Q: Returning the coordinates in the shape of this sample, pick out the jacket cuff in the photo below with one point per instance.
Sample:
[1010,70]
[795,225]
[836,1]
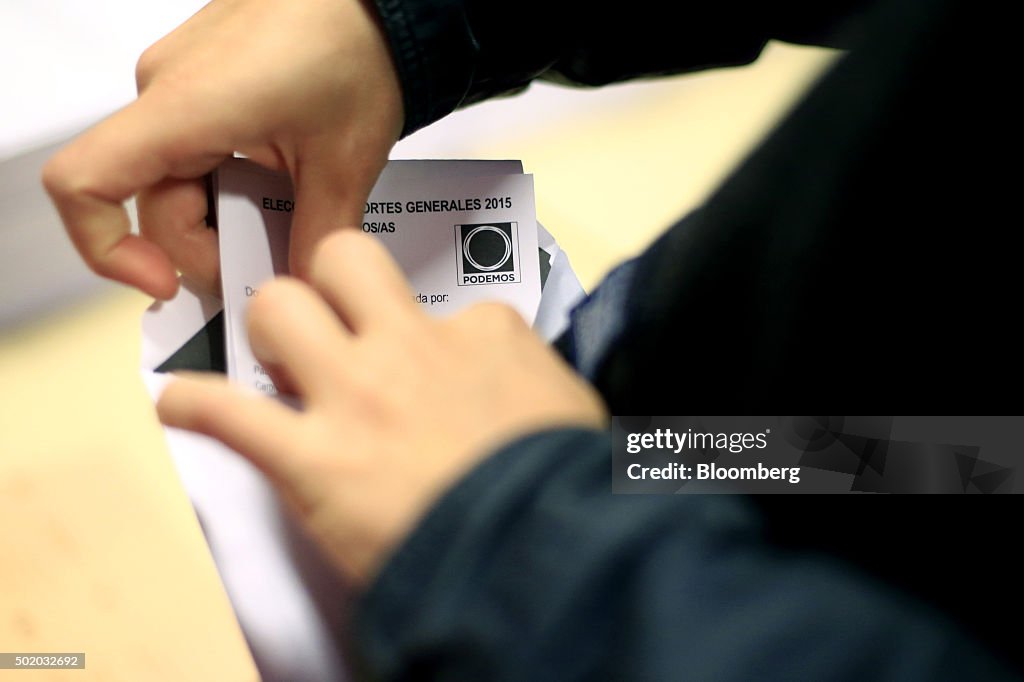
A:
[447,543]
[434,53]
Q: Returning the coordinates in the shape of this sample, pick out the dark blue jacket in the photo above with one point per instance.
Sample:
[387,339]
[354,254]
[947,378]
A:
[863,260]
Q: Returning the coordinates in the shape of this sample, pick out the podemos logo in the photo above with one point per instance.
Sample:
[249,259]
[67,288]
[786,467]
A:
[488,253]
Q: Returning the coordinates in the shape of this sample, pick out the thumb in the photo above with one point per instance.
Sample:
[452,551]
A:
[330,194]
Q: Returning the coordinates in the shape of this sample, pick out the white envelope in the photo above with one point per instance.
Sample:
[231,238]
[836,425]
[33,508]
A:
[291,605]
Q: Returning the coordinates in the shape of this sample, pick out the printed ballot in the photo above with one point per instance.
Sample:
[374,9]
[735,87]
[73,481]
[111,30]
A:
[462,231]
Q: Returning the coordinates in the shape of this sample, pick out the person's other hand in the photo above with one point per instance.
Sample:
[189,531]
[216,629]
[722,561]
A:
[302,85]
[396,404]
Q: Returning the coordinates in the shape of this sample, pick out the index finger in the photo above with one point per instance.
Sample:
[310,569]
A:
[362,282]
[91,178]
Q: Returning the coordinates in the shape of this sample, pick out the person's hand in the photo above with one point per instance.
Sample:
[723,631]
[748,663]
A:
[396,404]
[302,85]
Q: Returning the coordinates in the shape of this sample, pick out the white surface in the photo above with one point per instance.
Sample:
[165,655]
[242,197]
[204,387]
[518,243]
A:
[289,601]
[39,269]
[562,290]
[67,63]
[167,326]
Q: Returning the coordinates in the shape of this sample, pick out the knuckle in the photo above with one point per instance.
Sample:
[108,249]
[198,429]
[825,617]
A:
[56,176]
[146,67]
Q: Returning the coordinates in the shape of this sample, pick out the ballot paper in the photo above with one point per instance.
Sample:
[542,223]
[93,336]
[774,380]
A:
[291,604]
[462,231]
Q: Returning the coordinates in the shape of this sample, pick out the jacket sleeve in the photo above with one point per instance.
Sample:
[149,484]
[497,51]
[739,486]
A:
[451,53]
[530,569]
